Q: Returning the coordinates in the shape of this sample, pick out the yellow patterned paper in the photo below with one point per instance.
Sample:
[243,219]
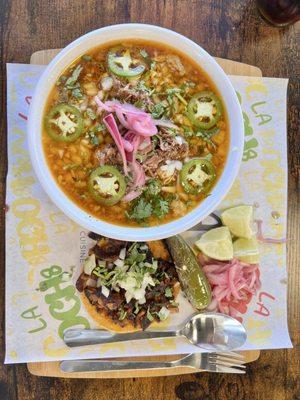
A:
[44,248]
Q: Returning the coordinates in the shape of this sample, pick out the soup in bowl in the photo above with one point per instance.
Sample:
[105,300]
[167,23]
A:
[135,133]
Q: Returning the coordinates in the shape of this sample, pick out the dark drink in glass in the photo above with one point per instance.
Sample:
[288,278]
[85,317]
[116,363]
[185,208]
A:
[279,12]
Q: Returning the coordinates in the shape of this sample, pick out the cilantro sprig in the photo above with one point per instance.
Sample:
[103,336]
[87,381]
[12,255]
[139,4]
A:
[71,83]
[150,203]
[158,110]
[140,211]
[205,135]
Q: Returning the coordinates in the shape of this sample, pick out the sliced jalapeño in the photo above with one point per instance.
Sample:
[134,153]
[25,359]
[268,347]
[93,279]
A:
[64,123]
[107,185]
[122,64]
[197,176]
[204,109]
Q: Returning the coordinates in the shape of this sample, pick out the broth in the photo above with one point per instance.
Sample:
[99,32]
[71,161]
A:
[142,108]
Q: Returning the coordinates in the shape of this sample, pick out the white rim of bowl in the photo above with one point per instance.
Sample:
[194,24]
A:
[80,216]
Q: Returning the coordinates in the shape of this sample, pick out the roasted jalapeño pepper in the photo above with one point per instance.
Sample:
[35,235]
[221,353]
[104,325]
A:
[204,109]
[122,64]
[197,176]
[193,280]
[64,123]
[107,185]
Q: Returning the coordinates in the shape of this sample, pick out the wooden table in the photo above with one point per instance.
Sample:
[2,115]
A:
[226,28]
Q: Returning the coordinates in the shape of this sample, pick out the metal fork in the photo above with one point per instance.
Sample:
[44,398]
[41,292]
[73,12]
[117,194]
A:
[230,362]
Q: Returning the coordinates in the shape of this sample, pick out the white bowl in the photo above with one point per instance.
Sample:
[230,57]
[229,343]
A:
[155,34]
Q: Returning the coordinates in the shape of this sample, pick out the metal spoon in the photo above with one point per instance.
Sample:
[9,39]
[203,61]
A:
[210,331]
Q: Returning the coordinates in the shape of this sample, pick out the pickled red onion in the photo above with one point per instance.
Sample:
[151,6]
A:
[165,123]
[133,139]
[112,127]
[232,282]
[145,143]
[139,179]
[131,195]
[260,237]
[128,147]
[133,118]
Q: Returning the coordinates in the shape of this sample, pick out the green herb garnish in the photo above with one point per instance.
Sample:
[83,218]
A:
[149,203]
[207,135]
[172,91]
[134,255]
[168,292]
[137,308]
[187,85]
[140,211]
[141,86]
[77,93]
[157,110]
[155,141]
[90,113]
[153,187]
[143,53]
[86,57]
[70,166]
[99,127]
[160,207]
[61,79]
[122,314]
[188,132]
[72,80]
[149,315]
[93,137]
[95,140]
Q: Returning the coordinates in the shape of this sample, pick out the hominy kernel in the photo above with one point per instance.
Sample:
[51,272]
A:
[69,178]
[73,149]
[76,159]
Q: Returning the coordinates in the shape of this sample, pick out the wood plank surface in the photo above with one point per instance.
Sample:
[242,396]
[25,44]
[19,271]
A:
[230,29]
[53,369]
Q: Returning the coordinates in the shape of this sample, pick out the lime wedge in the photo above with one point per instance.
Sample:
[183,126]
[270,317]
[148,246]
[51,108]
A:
[239,221]
[246,250]
[217,244]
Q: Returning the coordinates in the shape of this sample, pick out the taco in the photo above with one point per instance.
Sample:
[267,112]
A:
[127,286]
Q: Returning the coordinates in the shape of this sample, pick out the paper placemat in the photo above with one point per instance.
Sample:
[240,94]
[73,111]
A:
[44,248]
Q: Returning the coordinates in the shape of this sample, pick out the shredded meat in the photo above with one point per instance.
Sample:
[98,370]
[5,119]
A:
[116,301]
[168,149]
[82,282]
[176,65]
[63,96]
[94,236]
[130,93]
[151,165]
[109,155]
[108,249]
[174,152]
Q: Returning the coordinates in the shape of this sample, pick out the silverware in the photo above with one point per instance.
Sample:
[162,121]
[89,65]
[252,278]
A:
[215,220]
[210,331]
[213,362]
